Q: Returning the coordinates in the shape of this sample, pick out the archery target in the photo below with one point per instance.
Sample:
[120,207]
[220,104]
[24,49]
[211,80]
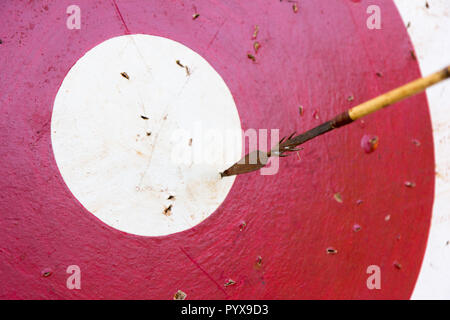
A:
[310,231]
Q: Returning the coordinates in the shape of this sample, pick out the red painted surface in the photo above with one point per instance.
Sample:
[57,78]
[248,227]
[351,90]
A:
[316,58]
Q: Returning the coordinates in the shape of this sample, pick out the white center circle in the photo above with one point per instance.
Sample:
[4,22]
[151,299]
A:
[138,129]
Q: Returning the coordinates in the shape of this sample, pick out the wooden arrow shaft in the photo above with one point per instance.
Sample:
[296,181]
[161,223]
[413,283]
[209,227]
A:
[398,94]
[355,113]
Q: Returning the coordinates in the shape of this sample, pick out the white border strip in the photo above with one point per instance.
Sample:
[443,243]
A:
[430,33]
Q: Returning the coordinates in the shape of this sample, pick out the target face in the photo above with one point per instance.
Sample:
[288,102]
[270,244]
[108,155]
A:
[83,111]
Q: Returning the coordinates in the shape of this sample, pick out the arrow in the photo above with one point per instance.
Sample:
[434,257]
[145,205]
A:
[258,159]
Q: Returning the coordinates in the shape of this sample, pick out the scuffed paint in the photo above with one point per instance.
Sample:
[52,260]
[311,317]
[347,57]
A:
[290,215]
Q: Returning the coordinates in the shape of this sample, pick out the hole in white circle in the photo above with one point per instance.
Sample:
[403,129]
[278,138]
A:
[124,117]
